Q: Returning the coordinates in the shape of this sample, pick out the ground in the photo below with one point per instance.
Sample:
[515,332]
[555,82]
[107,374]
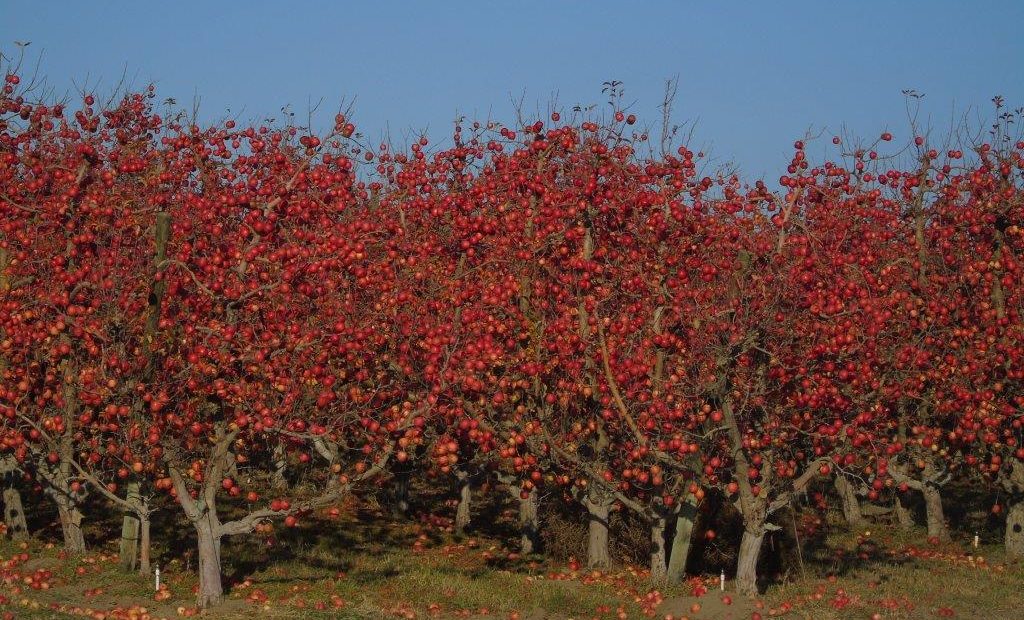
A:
[360,565]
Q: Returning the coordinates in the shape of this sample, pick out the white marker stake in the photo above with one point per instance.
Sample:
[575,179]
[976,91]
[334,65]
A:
[977,541]
[721,580]
[156,574]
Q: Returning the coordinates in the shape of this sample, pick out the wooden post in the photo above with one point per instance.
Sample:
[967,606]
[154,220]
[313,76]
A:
[159,287]
[131,524]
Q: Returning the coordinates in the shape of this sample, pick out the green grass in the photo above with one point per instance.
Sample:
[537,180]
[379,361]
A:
[377,570]
[899,581]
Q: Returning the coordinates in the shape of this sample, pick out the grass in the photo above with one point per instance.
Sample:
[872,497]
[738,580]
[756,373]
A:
[366,566]
[354,569]
[900,575]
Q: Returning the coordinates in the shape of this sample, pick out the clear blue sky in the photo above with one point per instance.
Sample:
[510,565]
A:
[754,75]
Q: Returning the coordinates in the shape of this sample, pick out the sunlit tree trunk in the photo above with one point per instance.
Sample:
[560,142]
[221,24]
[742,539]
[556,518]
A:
[462,513]
[130,530]
[680,551]
[597,537]
[659,568]
[529,526]
[14,515]
[850,503]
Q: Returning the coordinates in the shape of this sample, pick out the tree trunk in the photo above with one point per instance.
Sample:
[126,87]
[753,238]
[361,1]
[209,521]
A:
[129,550]
[933,510]
[279,480]
[680,551]
[70,523]
[400,500]
[659,569]
[597,541]
[746,567]
[752,509]
[1015,530]
[465,497]
[211,590]
[851,505]
[14,515]
[528,526]
[144,544]
[902,510]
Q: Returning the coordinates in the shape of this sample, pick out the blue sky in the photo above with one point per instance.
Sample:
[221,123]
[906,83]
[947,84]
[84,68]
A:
[754,76]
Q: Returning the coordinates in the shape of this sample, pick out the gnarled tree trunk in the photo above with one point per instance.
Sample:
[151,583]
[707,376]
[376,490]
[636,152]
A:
[597,539]
[130,531]
[400,496]
[750,552]
[528,525]
[902,510]
[680,552]
[144,544]
[279,479]
[933,510]
[753,510]
[70,523]
[659,568]
[851,505]
[1013,483]
[1015,530]
[14,515]
[211,589]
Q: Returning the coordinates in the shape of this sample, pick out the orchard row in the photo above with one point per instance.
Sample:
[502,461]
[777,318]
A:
[195,317]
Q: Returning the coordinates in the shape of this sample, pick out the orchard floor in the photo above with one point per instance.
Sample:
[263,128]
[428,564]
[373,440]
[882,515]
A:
[363,566]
